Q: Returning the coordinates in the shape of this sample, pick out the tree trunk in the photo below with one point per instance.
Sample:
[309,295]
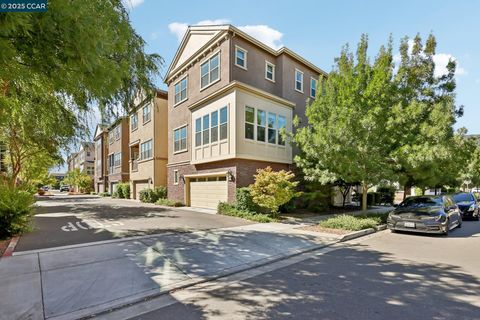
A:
[405,188]
[364,196]
[344,195]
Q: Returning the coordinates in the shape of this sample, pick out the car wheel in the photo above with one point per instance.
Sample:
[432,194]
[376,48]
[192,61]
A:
[459,223]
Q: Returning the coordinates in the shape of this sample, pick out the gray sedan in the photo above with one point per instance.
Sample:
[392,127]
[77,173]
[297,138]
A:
[428,214]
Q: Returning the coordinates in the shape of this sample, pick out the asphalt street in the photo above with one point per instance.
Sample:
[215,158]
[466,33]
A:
[63,220]
[384,276]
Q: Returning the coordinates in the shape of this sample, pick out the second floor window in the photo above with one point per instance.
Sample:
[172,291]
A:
[180,139]
[111,162]
[134,121]
[211,127]
[118,159]
[146,150]
[111,136]
[298,80]
[241,57]
[313,87]
[265,127]
[181,90]
[249,123]
[210,71]
[147,113]
[269,71]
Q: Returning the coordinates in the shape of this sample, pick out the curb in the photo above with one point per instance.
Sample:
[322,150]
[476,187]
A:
[98,310]
[361,233]
[11,247]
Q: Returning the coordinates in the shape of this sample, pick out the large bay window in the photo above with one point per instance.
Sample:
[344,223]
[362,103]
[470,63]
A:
[264,126]
[207,127]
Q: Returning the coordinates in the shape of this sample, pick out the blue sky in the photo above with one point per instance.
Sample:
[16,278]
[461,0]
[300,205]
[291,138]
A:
[318,29]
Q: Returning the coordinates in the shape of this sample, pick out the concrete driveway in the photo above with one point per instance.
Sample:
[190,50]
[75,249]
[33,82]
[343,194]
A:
[383,276]
[63,220]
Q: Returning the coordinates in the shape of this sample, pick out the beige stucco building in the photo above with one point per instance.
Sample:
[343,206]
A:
[101,158]
[148,144]
[229,98]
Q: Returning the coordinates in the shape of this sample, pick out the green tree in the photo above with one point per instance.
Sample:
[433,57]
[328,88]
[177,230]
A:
[421,125]
[345,138]
[57,65]
[79,180]
[272,189]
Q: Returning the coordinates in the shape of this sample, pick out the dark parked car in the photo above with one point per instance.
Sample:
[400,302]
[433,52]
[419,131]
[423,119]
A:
[428,214]
[64,188]
[467,204]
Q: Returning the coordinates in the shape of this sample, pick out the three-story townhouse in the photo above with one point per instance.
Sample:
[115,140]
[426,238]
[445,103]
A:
[148,144]
[101,158]
[229,98]
[118,153]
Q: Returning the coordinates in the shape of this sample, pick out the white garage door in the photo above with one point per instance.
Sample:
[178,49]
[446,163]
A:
[139,186]
[208,192]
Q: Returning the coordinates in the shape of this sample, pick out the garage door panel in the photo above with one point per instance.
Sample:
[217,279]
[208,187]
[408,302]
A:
[139,186]
[207,194]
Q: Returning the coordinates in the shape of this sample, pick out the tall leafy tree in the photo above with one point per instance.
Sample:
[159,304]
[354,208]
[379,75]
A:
[421,125]
[57,65]
[345,138]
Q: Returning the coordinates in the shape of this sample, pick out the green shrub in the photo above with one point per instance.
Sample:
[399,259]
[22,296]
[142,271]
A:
[152,195]
[387,195]
[352,223]
[244,200]
[169,203]
[315,201]
[104,194]
[115,194]
[228,209]
[93,193]
[15,211]
[123,190]
[272,189]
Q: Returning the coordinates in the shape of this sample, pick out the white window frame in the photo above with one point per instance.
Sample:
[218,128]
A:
[268,63]
[151,149]
[186,139]
[301,82]
[199,131]
[180,92]
[238,48]
[136,122]
[149,106]
[115,165]
[176,177]
[312,88]
[210,71]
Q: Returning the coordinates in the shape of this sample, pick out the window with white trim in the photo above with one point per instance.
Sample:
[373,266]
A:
[181,90]
[282,124]
[207,127]
[111,136]
[147,113]
[269,71]
[117,159]
[313,87]
[240,57]
[146,150]
[134,121]
[272,128]
[261,125]
[175,177]
[210,71]
[223,123]
[249,123]
[298,80]
[198,132]
[180,139]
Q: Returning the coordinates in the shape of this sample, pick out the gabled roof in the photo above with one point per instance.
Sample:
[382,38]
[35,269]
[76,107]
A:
[198,39]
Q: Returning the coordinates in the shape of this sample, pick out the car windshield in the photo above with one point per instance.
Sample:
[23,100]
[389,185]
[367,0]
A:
[421,202]
[460,197]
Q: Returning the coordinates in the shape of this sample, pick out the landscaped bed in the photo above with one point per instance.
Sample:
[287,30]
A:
[3,246]
[343,224]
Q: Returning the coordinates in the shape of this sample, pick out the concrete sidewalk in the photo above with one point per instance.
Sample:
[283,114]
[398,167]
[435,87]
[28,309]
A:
[78,281]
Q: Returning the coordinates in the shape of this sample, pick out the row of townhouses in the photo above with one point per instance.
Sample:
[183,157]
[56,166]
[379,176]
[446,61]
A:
[83,159]
[229,96]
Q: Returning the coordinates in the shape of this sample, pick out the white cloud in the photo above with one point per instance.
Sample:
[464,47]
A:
[264,33]
[130,4]
[179,28]
[441,60]
[267,35]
